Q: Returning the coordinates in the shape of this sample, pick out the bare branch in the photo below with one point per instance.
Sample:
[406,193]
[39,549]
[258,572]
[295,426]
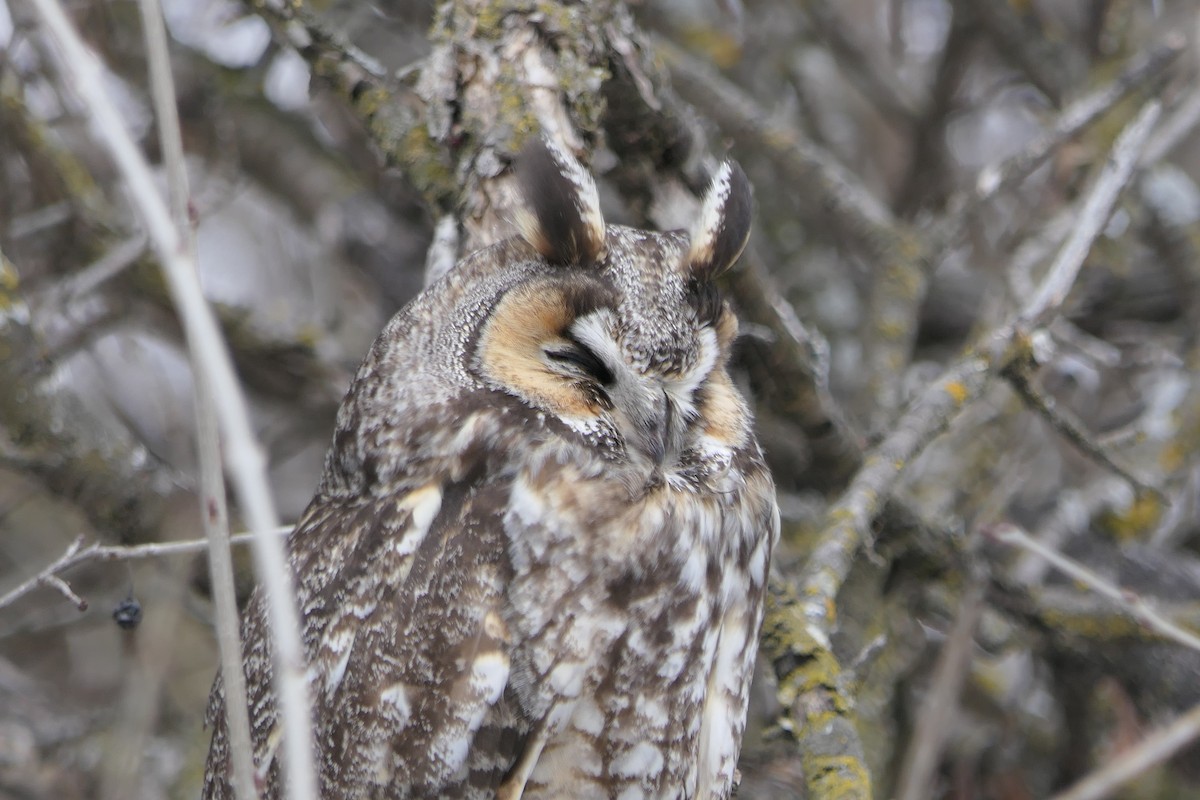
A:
[83,73]
[848,520]
[213,513]
[793,374]
[1092,217]
[1019,42]
[102,270]
[1154,749]
[1129,600]
[49,576]
[873,80]
[1070,428]
[64,561]
[77,554]
[900,257]
[67,592]
[1073,510]
[808,609]
[1176,128]
[935,720]
[1140,72]
[854,211]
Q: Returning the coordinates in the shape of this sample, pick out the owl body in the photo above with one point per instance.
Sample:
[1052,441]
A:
[536,562]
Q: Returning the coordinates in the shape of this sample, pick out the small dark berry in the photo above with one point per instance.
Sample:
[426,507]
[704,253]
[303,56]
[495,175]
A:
[128,613]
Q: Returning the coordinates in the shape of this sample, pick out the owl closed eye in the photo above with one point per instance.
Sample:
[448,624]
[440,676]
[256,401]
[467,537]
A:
[536,561]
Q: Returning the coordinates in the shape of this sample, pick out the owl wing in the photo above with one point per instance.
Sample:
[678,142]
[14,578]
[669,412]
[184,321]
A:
[401,598]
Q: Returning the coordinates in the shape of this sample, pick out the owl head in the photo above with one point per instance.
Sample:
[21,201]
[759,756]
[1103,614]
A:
[626,326]
[612,333]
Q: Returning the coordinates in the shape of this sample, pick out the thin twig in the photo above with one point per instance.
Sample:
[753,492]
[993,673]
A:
[1154,749]
[935,721]
[49,576]
[835,190]
[1070,428]
[77,554]
[82,71]
[112,263]
[1092,217]
[220,570]
[1176,128]
[899,255]
[213,512]
[1000,177]
[1073,511]
[1025,47]
[67,591]
[876,83]
[1131,601]
[39,219]
[800,617]
[927,172]
[1087,618]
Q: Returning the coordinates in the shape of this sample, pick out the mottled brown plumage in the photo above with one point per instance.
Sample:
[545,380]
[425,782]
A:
[536,561]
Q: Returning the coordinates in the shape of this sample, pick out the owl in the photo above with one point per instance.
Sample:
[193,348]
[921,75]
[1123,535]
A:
[536,561]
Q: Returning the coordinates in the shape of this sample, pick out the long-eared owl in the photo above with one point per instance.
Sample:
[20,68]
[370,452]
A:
[536,561]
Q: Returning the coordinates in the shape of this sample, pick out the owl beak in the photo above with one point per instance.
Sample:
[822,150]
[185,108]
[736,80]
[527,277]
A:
[656,434]
[650,422]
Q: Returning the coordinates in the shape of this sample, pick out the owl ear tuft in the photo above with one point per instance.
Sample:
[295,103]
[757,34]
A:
[561,217]
[721,232]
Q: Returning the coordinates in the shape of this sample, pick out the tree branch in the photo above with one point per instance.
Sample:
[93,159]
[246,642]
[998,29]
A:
[76,554]
[1154,749]
[1133,603]
[1141,73]
[83,73]
[214,513]
[800,619]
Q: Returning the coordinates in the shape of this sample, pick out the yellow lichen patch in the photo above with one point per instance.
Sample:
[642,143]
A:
[892,329]
[1172,456]
[836,777]
[785,630]
[371,100]
[9,281]
[1018,351]
[719,45]
[1135,521]
[842,514]
[309,336]
[424,160]
[957,391]
[900,277]
[1093,628]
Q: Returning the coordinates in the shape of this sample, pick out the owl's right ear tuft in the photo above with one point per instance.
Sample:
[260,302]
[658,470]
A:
[723,228]
[561,217]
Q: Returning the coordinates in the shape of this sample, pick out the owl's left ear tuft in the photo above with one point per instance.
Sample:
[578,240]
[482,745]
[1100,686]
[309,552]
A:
[721,232]
[561,217]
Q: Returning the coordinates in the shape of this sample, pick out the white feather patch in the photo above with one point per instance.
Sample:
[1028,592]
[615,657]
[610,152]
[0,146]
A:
[489,675]
[396,698]
[643,759]
[722,712]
